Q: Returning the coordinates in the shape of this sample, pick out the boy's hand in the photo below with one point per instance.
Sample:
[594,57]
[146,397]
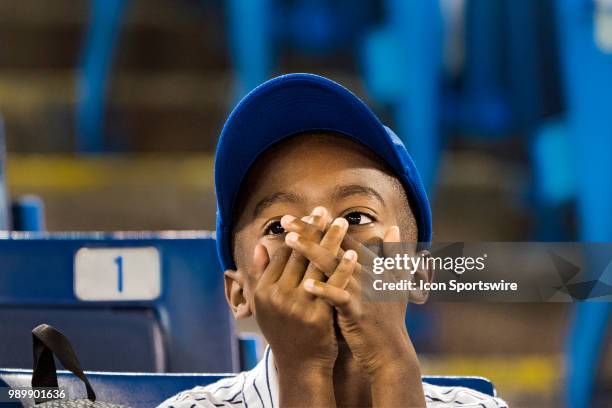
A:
[298,325]
[375,331]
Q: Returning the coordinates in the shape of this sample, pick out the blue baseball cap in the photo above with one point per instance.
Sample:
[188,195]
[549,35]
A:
[292,104]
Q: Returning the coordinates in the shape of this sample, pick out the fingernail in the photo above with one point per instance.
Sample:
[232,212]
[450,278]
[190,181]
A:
[318,211]
[309,284]
[287,219]
[350,255]
[340,222]
[291,237]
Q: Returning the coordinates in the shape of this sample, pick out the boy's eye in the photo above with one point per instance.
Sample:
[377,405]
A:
[274,228]
[358,218]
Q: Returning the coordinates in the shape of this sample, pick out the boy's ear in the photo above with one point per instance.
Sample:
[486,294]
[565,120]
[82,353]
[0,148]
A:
[423,274]
[234,293]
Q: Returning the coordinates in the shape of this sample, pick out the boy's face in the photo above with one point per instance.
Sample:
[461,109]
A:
[305,172]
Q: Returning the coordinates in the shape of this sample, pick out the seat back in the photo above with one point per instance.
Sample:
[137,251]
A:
[148,390]
[104,339]
[150,302]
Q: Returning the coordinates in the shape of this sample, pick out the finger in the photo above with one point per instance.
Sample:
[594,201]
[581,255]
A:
[302,227]
[297,263]
[294,270]
[335,296]
[312,226]
[363,271]
[331,241]
[365,254]
[273,268]
[393,246]
[344,271]
[391,242]
[321,257]
[354,285]
[334,236]
[392,234]
[259,263]
[320,218]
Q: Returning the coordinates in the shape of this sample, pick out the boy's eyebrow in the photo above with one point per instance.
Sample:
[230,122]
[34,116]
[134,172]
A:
[356,189]
[274,198]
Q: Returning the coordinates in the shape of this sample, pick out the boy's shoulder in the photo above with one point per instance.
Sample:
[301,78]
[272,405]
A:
[230,392]
[254,388]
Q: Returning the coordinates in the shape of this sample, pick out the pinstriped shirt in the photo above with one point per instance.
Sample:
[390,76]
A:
[258,388]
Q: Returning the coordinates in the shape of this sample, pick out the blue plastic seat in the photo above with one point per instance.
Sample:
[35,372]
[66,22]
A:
[148,390]
[126,340]
[187,328]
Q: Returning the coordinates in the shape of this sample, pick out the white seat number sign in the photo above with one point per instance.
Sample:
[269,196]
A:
[112,274]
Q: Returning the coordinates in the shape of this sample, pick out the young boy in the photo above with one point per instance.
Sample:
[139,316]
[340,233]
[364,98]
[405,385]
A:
[305,177]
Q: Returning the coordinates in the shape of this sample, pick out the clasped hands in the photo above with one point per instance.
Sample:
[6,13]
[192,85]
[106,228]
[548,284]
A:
[314,280]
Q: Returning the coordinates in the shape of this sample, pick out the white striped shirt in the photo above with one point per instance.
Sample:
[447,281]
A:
[258,388]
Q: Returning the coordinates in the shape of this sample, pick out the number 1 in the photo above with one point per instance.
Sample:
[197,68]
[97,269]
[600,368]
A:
[119,262]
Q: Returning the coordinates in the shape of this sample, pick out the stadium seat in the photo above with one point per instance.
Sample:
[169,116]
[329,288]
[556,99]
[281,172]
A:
[90,286]
[251,349]
[28,213]
[147,390]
